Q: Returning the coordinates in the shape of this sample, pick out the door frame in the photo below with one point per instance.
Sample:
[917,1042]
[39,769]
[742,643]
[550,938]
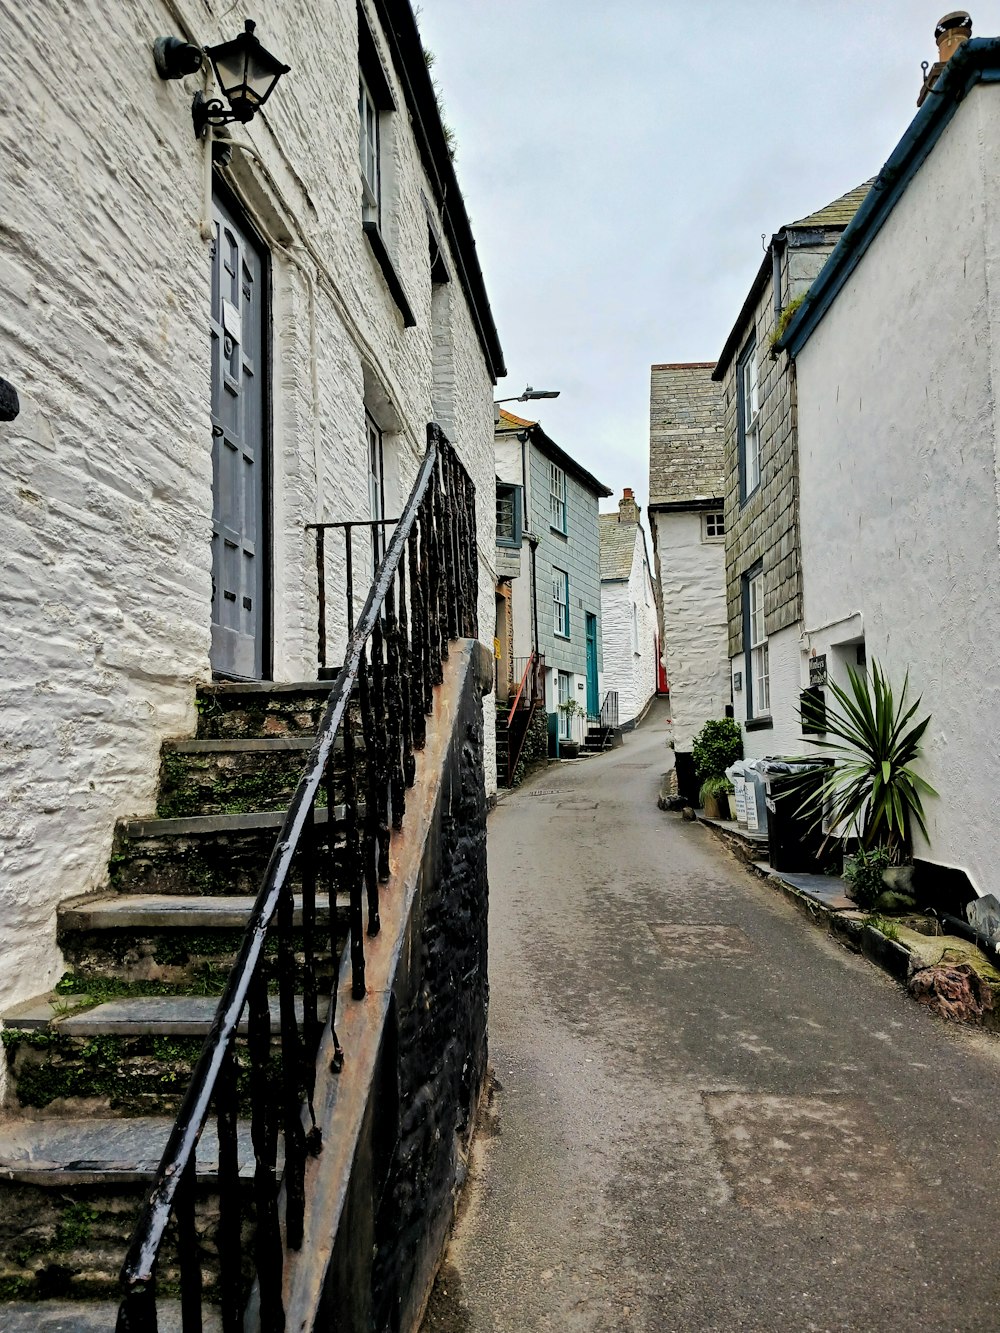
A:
[243,216]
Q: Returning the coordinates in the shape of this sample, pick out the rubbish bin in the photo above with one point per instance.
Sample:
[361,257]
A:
[795,837]
[755,796]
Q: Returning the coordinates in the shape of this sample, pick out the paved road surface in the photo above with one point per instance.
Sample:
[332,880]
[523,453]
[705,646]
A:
[709,1115]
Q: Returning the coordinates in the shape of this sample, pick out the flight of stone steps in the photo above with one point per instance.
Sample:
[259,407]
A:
[97,1067]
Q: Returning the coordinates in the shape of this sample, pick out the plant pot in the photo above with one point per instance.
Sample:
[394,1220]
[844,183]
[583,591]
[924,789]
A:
[711,808]
[569,749]
[731,801]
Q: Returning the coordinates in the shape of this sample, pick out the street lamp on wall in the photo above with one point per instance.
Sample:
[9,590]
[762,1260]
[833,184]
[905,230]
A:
[245,71]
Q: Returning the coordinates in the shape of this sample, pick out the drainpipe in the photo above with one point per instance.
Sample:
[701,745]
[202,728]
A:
[777,245]
[533,543]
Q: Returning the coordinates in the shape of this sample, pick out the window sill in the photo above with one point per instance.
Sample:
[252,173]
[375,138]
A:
[392,281]
[560,532]
[759,724]
[745,499]
[566,638]
[508,545]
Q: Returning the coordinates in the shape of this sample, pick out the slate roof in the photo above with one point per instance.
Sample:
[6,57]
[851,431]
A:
[685,434]
[834,217]
[510,424]
[839,212]
[617,547]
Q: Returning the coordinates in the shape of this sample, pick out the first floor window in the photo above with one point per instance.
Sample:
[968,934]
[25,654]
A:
[557,497]
[508,515]
[748,421]
[713,526]
[755,646]
[368,127]
[560,602]
[565,696]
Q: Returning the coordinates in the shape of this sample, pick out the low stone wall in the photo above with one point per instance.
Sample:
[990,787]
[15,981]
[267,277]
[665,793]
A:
[398,1119]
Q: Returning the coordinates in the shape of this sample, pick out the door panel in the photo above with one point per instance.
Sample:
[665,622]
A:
[593,693]
[239,439]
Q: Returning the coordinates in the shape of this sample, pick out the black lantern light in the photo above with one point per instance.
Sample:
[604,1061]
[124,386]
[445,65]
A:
[246,72]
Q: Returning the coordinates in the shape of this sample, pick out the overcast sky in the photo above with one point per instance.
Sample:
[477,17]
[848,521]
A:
[620,162]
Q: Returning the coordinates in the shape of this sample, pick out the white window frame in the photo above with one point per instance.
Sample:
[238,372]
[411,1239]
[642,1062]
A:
[713,526]
[560,602]
[564,693]
[370,152]
[557,497]
[749,400]
[635,629]
[376,483]
[759,660]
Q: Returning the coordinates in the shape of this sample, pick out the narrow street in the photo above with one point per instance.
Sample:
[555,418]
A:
[708,1115]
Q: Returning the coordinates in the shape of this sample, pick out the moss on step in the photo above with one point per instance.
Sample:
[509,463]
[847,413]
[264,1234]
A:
[130,1075]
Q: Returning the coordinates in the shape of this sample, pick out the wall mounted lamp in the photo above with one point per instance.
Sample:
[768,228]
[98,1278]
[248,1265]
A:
[244,69]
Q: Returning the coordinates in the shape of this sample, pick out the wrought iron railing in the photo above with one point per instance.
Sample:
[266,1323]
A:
[529,696]
[609,712]
[423,595]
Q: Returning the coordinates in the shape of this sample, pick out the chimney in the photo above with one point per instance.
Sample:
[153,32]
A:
[952,31]
[628,510]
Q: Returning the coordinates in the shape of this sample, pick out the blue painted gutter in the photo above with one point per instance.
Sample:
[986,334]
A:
[978,61]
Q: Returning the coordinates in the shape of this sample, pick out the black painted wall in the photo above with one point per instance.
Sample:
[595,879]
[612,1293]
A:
[411,1161]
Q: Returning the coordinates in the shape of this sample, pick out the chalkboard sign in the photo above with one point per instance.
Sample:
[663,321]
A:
[817,670]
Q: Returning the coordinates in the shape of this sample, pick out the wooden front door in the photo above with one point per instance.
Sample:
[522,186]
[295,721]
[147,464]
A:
[240,581]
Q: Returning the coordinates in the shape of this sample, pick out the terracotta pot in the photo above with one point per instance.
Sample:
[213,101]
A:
[711,809]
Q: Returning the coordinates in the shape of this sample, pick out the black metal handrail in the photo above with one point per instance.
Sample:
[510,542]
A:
[609,711]
[394,659]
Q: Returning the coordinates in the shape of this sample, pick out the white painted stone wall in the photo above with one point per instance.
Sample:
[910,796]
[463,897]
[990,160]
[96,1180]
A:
[899,473]
[105,477]
[692,576]
[631,673]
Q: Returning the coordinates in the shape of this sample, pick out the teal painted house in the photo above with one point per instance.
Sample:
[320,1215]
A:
[553,604]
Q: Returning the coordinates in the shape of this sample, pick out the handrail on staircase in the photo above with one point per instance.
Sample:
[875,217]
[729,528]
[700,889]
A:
[532,659]
[423,595]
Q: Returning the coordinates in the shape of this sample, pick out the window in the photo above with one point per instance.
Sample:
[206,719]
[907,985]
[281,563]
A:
[565,696]
[560,602]
[376,485]
[635,628]
[758,682]
[508,515]
[748,422]
[713,526]
[371,175]
[557,497]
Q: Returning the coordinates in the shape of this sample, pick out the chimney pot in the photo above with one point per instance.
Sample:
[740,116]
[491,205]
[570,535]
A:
[952,31]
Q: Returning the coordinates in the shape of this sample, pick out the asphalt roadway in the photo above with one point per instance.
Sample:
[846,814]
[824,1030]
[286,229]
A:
[707,1114]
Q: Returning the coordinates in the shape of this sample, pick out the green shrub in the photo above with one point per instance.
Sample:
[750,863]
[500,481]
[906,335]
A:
[717,745]
[718,787]
[864,873]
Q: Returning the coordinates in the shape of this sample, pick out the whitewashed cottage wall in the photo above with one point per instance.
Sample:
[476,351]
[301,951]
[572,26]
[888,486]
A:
[630,667]
[898,474]
[106,475]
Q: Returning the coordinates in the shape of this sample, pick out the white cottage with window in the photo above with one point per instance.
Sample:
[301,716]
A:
[628,607]
[214,341]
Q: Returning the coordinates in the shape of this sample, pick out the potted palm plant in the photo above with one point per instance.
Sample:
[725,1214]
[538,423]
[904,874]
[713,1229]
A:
[871,792]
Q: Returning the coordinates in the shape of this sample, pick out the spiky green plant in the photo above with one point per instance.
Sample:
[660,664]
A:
[872,786]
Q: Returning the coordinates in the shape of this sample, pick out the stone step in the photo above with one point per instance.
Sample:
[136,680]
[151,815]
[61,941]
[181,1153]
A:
[69,1190]
[231,710]
[127,1057]
[207,777]
[132,1016]
[200,854]
[53,1316]
[173,939]
[170,911]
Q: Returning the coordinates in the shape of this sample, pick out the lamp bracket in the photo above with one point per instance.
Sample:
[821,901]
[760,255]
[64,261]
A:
[207,111]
